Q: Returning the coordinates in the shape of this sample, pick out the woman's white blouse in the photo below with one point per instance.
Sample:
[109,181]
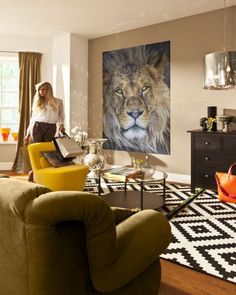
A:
[47,115]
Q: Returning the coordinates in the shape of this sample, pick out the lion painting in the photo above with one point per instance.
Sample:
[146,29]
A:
[137,99]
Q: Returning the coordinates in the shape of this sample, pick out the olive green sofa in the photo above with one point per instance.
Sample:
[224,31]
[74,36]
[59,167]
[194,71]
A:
[67,243]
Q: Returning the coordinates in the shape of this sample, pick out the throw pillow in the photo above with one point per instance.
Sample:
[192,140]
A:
[55,160]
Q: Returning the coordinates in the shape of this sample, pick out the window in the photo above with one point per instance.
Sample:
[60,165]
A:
[9,91]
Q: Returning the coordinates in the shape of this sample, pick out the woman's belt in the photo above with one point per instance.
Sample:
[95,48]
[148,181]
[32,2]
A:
[43,123]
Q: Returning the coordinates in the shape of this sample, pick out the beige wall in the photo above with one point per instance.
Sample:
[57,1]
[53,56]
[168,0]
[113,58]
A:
[7,155]
[70,76]
[79,82]
[65,64]
[191,38]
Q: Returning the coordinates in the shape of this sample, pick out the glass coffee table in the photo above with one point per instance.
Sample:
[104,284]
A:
[136,199]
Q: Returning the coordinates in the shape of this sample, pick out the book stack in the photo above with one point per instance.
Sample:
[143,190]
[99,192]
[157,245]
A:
[122,173]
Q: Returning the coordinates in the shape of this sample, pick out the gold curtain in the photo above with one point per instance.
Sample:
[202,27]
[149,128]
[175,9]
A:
[29,70]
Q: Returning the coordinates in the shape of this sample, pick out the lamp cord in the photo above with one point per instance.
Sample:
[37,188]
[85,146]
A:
[225,22]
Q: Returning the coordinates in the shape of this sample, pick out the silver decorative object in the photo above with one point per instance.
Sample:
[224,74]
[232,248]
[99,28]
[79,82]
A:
[226,120]
[95,159]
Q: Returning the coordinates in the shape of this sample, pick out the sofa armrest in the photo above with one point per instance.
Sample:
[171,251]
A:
[140,240]
[53,208]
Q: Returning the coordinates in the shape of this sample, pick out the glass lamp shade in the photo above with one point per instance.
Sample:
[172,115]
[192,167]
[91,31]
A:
[220,70]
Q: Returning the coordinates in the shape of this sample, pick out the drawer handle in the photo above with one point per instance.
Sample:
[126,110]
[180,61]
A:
[206,143]
[206,175]
[206,158]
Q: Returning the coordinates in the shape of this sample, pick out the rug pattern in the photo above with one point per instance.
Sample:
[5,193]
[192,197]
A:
[204,233]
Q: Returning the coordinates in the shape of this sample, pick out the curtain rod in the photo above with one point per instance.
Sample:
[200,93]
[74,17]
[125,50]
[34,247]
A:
[9,51]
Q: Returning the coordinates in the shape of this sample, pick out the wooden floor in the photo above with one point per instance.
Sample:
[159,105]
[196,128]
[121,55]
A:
[180,280]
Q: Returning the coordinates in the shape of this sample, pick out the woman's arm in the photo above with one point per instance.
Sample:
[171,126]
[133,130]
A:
[61,115]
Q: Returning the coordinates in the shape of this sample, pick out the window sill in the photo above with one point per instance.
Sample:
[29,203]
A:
[8,142]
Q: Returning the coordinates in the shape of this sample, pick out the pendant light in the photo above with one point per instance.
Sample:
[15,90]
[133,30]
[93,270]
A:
[220,67]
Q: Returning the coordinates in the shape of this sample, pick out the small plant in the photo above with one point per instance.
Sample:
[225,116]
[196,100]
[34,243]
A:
[209,123]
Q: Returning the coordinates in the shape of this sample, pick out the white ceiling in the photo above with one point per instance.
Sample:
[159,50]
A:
[93,18]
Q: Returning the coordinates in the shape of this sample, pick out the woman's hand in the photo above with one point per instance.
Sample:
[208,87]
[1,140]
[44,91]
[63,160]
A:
[61,128]
[26,140]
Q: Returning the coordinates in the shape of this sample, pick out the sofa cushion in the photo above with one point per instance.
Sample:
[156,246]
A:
[16,194]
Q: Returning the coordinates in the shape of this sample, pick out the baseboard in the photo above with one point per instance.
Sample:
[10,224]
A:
[179,178]
[6,165]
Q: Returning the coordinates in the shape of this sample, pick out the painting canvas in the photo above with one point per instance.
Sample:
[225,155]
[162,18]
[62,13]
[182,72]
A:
[136,98]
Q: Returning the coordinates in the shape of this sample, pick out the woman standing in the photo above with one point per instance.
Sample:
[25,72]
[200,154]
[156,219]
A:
[47,117]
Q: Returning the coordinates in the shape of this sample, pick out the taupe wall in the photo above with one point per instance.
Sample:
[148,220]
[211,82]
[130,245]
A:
[191,38]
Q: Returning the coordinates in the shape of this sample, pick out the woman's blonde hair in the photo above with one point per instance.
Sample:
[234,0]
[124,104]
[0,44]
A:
[43,101]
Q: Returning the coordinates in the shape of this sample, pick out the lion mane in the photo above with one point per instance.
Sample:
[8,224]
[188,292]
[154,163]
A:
[136,101]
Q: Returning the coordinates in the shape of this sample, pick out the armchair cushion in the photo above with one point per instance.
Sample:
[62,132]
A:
[140,240]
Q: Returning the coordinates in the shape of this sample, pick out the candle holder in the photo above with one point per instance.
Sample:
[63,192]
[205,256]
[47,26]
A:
[225,120]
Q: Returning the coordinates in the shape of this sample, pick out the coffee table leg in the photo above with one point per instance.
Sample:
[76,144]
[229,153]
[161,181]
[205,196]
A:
[164,196]
[99,184]
[164,191]
[141,195]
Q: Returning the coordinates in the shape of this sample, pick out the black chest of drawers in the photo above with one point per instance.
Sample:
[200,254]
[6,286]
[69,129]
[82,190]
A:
[210,152]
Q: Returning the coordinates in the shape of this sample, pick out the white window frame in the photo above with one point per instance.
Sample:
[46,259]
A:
[9,58]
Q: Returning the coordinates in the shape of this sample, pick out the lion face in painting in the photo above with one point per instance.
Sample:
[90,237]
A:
[136,104]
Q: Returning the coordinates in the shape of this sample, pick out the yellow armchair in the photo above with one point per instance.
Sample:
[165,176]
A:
[66,178]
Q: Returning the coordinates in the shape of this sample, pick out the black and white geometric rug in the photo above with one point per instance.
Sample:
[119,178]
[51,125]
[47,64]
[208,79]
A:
[203,234]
